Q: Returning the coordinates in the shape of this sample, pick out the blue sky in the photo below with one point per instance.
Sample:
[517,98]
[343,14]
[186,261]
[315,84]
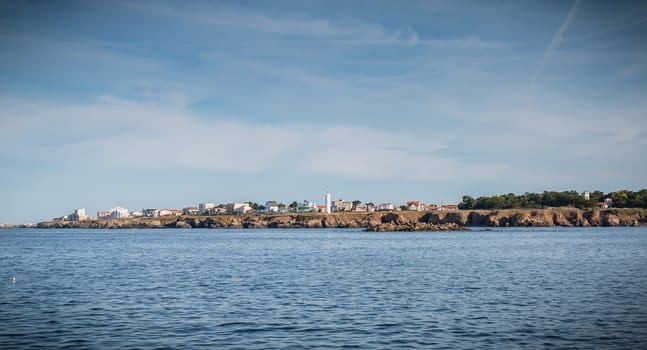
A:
[166,104]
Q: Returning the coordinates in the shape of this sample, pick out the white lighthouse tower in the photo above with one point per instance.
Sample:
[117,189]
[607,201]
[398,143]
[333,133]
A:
[328,202]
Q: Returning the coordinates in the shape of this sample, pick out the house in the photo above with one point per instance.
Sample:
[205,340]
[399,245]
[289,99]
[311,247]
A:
[191,211]
[608,202]
[342,205]
[170,212]
[150,212]
[430,207]
[272,207]
[415,205]
[238,208]
[361,208]
[306,207]
[136,214]
[449,207]
[321,208]
[78,215]
[203,208]
[385,207]
[118,213]
[217,211]
[103,215]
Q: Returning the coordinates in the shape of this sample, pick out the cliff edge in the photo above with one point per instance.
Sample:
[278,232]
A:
[566,217]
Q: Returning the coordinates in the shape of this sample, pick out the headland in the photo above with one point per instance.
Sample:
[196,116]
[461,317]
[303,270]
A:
[380,221]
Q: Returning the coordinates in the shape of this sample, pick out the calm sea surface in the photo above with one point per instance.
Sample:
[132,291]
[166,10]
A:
[281,289]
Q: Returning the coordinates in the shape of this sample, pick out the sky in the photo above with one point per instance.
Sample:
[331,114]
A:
[166,104]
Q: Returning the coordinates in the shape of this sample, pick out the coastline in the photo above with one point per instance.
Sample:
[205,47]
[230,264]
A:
[396,221]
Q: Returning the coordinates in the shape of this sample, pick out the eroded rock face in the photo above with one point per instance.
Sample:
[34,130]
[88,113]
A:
[182,224]
[415,227]
[495,218]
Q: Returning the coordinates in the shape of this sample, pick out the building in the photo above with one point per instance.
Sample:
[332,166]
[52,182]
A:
[78,215]
[449,207]
[415,205]
[191,211]
[608,202]
[328,203]
[272,207]
[170,212]
[103,215]
[306,207]
[136,214]
[204,207]
[361,208]
[217,211]
[430,207]
[586,195]
[119,213]
[385,207]
[149,212]
[238,208]
[342,205]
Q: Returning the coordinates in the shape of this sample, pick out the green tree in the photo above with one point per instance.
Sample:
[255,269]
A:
[356,203]
[468,203]
[293,205]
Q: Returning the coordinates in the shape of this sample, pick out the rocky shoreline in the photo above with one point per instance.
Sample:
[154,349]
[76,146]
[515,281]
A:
[381,221]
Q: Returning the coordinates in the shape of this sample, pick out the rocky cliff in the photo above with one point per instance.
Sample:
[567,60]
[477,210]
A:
[396,220]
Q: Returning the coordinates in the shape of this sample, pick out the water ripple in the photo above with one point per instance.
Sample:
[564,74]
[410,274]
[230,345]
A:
[317,289]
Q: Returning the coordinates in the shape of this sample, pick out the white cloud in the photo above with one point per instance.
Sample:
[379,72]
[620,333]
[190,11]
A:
[113,132]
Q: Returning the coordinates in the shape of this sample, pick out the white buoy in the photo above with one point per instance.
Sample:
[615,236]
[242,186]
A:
[13,280]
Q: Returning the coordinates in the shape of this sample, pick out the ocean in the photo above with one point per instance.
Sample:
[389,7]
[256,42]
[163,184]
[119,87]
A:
[505,288]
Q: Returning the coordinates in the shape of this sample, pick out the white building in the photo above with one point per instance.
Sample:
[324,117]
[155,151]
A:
[328,203]
[118,213]
[385,207]
[191,211]
[204,207]
[238,208]
[306,207]
[78,215]
[342,205]
[271,207]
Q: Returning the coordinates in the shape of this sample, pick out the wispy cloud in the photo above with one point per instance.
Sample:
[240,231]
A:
[557,38]
[148,136]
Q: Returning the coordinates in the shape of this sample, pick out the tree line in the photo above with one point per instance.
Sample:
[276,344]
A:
[619,199]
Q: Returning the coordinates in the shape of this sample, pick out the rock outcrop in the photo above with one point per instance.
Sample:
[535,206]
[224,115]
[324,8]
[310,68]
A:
[407,220]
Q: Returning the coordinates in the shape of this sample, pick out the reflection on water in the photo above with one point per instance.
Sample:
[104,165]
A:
[259,289]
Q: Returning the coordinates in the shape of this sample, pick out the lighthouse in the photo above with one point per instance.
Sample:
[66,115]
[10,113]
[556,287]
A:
[328,202]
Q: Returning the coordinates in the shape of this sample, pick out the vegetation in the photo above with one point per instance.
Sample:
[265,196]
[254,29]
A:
[619,199]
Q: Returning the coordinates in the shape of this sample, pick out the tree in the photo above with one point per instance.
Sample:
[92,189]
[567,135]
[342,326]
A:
[253,205]
[293,205]
[404,208]
[356,203]
[467,203]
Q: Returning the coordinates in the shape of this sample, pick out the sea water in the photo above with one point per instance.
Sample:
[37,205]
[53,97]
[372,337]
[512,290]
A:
[299,289]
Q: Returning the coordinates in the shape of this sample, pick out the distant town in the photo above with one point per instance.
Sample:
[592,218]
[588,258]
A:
[209,208]
[585,199]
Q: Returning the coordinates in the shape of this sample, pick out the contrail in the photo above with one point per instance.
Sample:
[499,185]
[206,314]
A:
[557,39]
